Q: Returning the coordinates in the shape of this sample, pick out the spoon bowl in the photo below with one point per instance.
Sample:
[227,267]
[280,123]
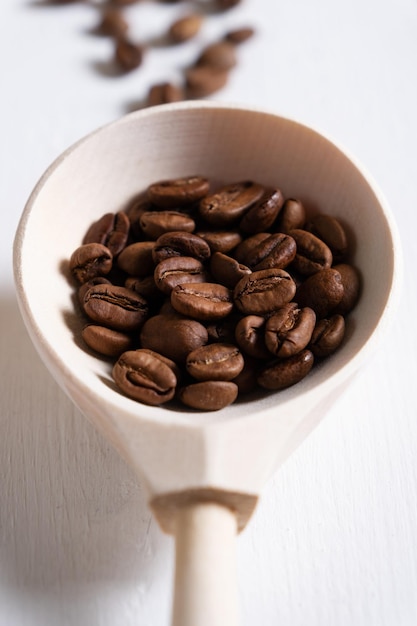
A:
[203,471]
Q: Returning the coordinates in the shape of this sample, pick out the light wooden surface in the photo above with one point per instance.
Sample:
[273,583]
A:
[334,539]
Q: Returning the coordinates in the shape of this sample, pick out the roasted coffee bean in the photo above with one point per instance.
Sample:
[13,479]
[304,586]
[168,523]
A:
[106,341]
[246,381]
[222,331]
[229,204]
[173,336]
[216,361]
[264,291]
[209,395]
[239,35]
[112,230]
[156,223]
[134,210]
[322,292]
[220,55]
[128,55]
[137,259]
[250,336]
[178,192]
[89,261]
[215,306]
[179,243]
[177,270]
[330,230]
[264,213]
[244,250]
[312,255]
[351,282]
[185,28]
[291,216]
[100,280]
[144,377]
[202,301]
[164,93]
[284,373]
[327,336]
[146,287]
[204,80]
[221,240]
[226,270]
[278,250]
[289,330]
[115,307]
[227,4]
[112,23]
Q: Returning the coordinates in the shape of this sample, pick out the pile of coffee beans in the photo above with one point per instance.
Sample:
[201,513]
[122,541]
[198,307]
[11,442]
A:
[201,295]
[207,73]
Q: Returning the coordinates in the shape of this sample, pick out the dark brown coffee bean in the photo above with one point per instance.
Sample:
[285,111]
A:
[351,282]
[246,381]
[173,336]
[209,395]
[224,5]
[178,192]
[327,336]
[228,205]
[179,243]
[264,213]
[278,250]
[137,259]
[284,373]
[164,93]
[128,55]
[134,211]
[244,250]
[221,240]
[124,3]
[156,223]
[226,270]
[202,301]
[322,292]
[169,362]
[312,255]
[185,28]
[216,361]
[204,80]
[146,287]
[106,341]
[112,230]
[220,55]
[115,307]
[329,229]
[250,336]
[100,280]
[289,330]
[239,35]
[263,291]
[222,331]
[291,216]
[112,23]
[89,261]
[177,270]
[144,377]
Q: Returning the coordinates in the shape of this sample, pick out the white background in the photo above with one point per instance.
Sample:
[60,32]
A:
[334,538]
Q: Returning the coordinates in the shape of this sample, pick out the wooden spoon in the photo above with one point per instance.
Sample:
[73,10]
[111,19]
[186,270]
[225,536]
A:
[203,471]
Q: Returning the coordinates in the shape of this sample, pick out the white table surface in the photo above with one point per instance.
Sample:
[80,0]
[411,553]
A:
[334,538]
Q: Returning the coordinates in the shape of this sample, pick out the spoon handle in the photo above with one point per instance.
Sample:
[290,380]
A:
[205,566]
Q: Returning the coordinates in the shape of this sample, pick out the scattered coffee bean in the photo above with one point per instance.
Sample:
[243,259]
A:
[230,306]
[185,28]
[220,55]
[112,23]
[202,81]
[128,55]
[239,35]
[164,93]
